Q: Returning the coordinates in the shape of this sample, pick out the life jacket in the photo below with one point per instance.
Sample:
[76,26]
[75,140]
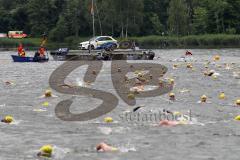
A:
[22,54]
[20,49]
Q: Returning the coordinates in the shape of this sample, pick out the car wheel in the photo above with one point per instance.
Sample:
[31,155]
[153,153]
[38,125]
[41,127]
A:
[92,47]
[114,46]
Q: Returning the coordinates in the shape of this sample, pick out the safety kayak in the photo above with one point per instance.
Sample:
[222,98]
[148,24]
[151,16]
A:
[28,59]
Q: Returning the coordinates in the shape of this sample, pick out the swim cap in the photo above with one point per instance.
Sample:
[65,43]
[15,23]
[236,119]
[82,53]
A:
[177,113]
[237,118]
[216,58]
[8,119]
[203,98]
[114,149]
[108,119]
[189,65]
[221,95]
[171,94]
[238,102]
[48,93]
[45,104]
[131,96]
[171,81]
[46,149]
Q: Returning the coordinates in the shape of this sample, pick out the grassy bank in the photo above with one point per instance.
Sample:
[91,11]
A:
[13,43]
[193,41]
[33,43]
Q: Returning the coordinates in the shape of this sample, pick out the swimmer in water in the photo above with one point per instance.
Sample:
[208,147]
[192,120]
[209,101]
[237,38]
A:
[103,147]
[7,119]
[168,123]
[45,151]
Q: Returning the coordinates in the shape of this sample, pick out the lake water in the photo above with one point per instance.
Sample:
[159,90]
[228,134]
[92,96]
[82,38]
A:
[213,135]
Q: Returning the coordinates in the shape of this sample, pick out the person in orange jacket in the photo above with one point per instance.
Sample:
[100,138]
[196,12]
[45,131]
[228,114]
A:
[41,51]
[21,51]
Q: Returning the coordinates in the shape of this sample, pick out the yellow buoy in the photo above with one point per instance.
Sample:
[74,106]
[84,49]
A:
[7,119]
[221,95]
[46,150]
[237,118]
[48,93]
[108,119]
[237,102]
[203,98]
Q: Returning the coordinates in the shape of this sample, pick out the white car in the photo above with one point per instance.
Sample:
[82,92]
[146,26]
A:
[96,42]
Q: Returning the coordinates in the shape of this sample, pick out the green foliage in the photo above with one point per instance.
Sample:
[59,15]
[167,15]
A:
[194,41]
[120,18]
[178,16]
[200,20]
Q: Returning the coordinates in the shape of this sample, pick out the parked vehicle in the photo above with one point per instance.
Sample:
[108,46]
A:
[16,34]
[96,42]
[3,35]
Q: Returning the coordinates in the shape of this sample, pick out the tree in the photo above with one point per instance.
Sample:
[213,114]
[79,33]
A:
[178,16]
[42,16]
[200,20]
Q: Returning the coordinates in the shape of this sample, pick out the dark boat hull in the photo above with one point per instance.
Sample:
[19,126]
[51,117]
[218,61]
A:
[28,59]
[102,55]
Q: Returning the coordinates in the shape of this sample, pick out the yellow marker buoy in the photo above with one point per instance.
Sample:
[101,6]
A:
[237,102]
[108,119]
[221,95]
[131,96]
[48,93]
[46,150]
[237,118]
[203,98]
[7,119]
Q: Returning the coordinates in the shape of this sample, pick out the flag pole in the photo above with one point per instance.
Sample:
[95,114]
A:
[93,18]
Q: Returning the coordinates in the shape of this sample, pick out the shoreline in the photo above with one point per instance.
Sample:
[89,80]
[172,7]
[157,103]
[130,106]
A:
[213,41]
